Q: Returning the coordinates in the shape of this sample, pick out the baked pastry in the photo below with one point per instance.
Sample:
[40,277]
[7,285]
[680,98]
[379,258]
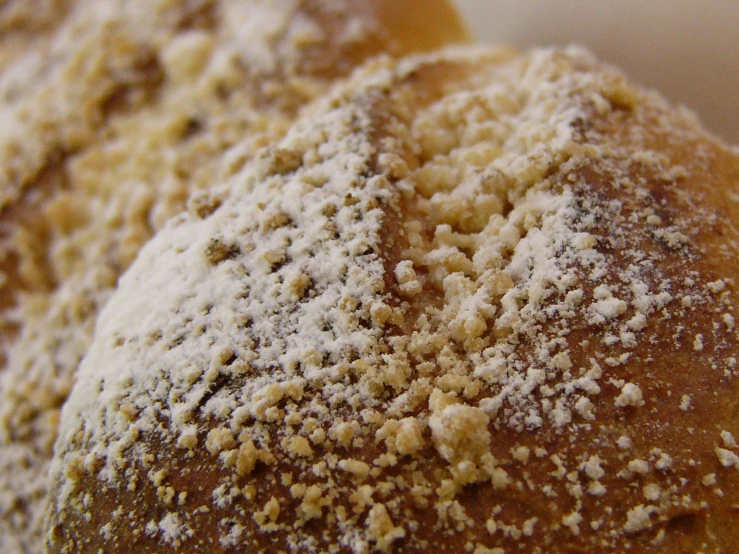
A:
[114,112]
[25,24]
[474,301]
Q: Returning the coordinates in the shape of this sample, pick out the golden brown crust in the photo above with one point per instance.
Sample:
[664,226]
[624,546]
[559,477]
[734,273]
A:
[113,113]
[474,302]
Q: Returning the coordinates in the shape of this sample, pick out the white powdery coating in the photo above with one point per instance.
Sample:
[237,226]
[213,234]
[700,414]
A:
[157,338]
[727,458]
[729,440]
[610,308]
[130,106]
[461,432]
[174,276]
[638,518]
[281,294]
[631,395]
[541,261]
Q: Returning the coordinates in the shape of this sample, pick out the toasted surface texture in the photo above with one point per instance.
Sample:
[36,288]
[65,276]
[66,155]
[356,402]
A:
[473,302]
[114,112]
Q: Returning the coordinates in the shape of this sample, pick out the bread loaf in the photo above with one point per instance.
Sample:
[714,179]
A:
[474,301]
[114,113]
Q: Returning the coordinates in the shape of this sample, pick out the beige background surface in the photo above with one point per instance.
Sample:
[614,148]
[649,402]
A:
[688,49]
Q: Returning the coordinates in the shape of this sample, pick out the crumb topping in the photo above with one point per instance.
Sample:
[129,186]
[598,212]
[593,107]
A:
[448,311]
[114,114]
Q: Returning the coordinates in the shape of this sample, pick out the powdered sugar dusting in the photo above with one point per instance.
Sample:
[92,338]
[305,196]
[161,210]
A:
[114,114]
[435,313]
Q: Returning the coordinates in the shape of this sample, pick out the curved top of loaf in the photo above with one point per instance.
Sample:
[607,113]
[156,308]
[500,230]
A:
[472,301]
[113,112]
